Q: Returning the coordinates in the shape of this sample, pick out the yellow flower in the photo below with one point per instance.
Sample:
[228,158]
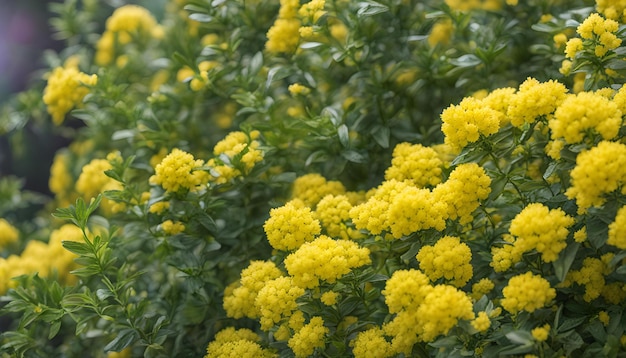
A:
[534,99]
[290,226]
[178,170]
[172,228]
[414,209]
[541,334]
[277,300]
[8,234]
[441,33]
[284,35]
[598,171]
[374,214]
[466,186]
[583,112]
[449,258]
[482,287]
[298,89]
[329,298]
[617,230]
[527,292]
[311,188]
[416,163]
[333,211]
[406,290]
[590,275]
[469,120]
[371,343]
[308,338]
[604,318]
[482,322]
[65,90]
[239,298]
[236,343]
[441,310]
[324,259]
[572,47]
[538,228]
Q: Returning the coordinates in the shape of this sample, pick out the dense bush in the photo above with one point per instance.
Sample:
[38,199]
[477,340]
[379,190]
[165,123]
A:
[325,178]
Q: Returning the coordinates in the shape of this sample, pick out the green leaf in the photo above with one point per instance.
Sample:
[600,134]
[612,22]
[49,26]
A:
[78,248]
[565,260]
[54,329]
[354,156]
[344,136]
[381,135]
[570,323]
[124,339]
[370,8]
[520,337]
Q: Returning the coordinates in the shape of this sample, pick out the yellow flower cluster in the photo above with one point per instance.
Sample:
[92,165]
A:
[591,275]
[178,170]
[172,227]
[541,334]
[414,209]
[469,120]
[41,257]
[371,343]
[237,153]
[312,10]
[243,343]
[449,259]
[333,211]
[504,257]
[482,322]
[585,111]
[534,99]
[467,5]
[482,287]
[308,338]
[290,226]
[527,292]
[324,259]
[127,23]
[311,188]
[423,312]
[8,234]
[441,33]
[373,215]
[277,300]
[614,10]
[617,230]
[284,34]
[93,181]
[598,171]
[239,298]
[61,183]
[467,185]
[65,90]
[538,228]
[415,163]
[602,32]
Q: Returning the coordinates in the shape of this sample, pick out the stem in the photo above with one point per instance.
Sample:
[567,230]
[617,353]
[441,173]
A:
[508,180]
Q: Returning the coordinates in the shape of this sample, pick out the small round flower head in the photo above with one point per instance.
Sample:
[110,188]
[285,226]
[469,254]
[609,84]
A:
[467,185]
[172,227]
[617,230]
[65,90]
[583,112]
[290,226]
[277,300]
[534,99]
[230,342]
[311,188]
[591,276]
[415,209]
[540,334]
[421,165]
[441,33]
[333,211]
[309,337]
[239,298]
[449,259]
[371,343]
[329,298]
[469,120]
[283,36]
[614,10]
[482,322]
[499,100]
[324,259]
[598,171]
[8,234]
[537,227]
[482,287]
[527,292]
[178,170]
[236,143]
[406,290]
[441,310]
[373,215]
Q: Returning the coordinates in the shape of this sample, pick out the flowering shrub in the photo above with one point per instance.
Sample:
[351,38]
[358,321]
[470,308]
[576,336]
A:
[322,178]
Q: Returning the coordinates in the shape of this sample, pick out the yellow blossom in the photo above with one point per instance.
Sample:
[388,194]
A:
[371,343]
[324,259]
[449,259]
[277,300]
[240,297]
[406,290]
[308,338]
[172,228]
[290,226]
[311,188]
[527,292]
[466,122]
[466,186]
[482,322]
[534,99]
[416,163]
[441,33]
[617,230]
[333,211]
[178,170]
[8,234]
[482,287]
[541,334]
[65,90]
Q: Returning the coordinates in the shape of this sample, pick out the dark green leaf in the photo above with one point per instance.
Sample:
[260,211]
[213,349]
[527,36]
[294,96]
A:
[565,260]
